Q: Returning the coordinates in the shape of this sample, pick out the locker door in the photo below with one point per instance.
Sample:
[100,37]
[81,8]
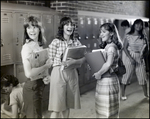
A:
[81,33]
[48,24]
[95,32]
[7,56]
[19,34]
[56,23]
[38,15]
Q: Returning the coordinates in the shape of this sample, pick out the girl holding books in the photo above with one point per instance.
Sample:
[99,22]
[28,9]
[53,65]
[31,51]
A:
[108,87]
[64,88]
[33,87]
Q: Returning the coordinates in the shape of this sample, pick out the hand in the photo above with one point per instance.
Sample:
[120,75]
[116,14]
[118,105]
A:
[46,80]
[69,62]
[97,75]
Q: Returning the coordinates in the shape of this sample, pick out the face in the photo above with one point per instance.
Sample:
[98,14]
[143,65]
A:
[33,32]
[105,34]
[138,27]
[7,89]
[68,28]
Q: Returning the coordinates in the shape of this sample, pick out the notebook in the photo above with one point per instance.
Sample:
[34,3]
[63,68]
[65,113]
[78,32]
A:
[96,60]
[74,52]
[38,59]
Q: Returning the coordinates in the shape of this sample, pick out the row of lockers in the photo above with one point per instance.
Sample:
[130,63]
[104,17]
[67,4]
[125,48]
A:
[12,31]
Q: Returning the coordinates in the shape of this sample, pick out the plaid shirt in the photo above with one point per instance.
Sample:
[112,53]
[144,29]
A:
[57,48]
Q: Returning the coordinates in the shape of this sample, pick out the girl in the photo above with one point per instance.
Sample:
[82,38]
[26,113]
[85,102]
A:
[107,88]
[33,88]
[64,88]
[11,85]
[135,45]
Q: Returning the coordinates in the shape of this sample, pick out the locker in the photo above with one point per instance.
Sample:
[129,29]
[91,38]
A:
[7,52]
[48,24]
[81,29]
[38,15]
[20,73]
[56,24]
[95,33]
[19,19]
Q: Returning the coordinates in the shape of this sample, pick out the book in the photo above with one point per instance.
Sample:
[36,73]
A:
[96,60]
[74,52]
[37,59]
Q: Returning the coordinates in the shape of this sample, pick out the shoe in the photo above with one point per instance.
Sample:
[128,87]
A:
[123,98]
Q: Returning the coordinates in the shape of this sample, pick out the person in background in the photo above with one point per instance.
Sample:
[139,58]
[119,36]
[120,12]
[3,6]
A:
[11,85]
[64,86]
[34,40]
[135,46]
[146,56]
[126,27]
[107,96]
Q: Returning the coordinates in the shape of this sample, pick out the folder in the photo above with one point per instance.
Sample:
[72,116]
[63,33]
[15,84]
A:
[96,60]
[38,59]
[74,52]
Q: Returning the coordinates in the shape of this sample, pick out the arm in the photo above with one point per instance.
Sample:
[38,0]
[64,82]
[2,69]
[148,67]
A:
[125,46]
[13,113]
[107,65]
[29,71]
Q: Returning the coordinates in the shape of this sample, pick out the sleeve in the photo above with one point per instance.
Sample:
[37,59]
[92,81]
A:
[13,99]
[52,50]
[25,53]
[111,51]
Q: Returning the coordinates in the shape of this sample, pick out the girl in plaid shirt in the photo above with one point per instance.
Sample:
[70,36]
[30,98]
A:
[64,94]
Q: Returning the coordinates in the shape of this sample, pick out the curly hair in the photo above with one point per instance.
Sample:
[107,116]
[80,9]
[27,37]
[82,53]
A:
[111,28]
[63,22]
[34,21]
[7,80]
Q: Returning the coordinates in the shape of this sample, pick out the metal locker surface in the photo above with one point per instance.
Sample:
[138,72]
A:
[56,23]
[7,52]
[38,15]
[48,25]
[19,19]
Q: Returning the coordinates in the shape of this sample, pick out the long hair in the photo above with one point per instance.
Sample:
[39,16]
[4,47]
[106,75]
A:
[115,37]
[34,21]
[7,80]
[137,21]
[63,22]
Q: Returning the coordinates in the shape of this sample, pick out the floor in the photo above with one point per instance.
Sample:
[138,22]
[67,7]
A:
[136,106]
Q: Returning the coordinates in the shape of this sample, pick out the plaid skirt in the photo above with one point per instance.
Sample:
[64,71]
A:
[107,97]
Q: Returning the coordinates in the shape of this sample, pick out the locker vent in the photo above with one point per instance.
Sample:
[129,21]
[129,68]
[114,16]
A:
[7,57]
[5,20]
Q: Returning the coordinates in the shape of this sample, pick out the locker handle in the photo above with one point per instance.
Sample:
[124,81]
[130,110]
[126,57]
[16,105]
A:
[2,44]
[86,37]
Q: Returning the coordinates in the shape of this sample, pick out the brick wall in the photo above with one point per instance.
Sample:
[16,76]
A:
[70,8]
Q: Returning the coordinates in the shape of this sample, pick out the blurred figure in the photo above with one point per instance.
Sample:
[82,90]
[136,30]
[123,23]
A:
[11,85]
[135,45]
[146,56]
[126,27]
